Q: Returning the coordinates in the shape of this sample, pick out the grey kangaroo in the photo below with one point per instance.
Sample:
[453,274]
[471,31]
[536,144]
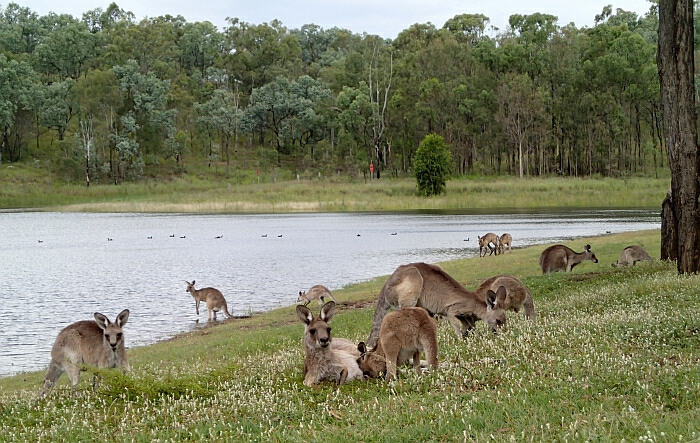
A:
[562,258]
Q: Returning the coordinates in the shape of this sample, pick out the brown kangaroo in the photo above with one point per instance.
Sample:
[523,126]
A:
[631,255]
[562,258]
[429,287]
[404,334]
[97,343]
[212,297]
[517,294]
[503,241]
[317,292]
[485,243]
[323,361]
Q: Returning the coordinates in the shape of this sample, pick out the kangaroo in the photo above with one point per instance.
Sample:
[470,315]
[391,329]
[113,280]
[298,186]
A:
[517,294]
[631,255]
[485,243]
[97,343]
[403,334]
[429,287]
[212,297]
[562,258]
[503,241]
[317,292]
[323,361]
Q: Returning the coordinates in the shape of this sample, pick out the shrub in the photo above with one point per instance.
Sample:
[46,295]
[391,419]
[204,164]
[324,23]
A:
[432,165]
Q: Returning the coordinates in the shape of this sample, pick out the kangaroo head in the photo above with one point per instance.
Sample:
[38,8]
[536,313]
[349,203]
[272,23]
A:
[318,333]
[590,254]
[301,296]
[370,362]
[190,286]
[495,315]
[112,332]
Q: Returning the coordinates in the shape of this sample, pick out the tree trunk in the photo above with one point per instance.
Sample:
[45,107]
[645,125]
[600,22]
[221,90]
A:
[669,237]
[675,61]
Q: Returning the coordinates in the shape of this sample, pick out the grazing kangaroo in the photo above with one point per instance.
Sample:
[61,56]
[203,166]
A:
[212,297]
[429,287]
[503,241]
[97,343]
[517,294]
[562,258]
[317,292]
[485,243]
[323,361]
[403,335]
[631,255]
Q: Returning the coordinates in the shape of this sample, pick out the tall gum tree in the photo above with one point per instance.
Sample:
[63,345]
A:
[679,228]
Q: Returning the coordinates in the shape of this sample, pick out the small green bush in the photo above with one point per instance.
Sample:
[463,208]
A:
[432,165]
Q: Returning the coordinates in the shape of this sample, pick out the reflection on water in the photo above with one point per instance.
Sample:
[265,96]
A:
[59,268]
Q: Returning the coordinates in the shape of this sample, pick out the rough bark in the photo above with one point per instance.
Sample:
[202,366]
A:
[675,61]
[669,238]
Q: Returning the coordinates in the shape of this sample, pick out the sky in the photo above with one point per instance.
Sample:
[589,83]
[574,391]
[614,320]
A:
[386,18]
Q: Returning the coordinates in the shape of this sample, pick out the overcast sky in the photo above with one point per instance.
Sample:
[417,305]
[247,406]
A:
[382,17]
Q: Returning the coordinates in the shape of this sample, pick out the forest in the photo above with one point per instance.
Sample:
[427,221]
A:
[106,98]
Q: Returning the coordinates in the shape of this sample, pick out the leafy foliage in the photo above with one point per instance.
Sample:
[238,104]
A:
[432,165]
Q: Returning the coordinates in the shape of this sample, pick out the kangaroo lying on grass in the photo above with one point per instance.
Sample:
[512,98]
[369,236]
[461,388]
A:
[317,292]
[212,297]
[562,258]
[631,255]
[517,294]
[403,335]
[323,361]
[97,343]
[429,287]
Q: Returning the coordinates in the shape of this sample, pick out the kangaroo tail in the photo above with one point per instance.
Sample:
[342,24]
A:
[529,306]
[226,313]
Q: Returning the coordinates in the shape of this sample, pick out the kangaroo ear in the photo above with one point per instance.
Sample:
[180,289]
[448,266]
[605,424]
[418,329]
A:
[327,311]
[490,300]
[501,295]
[192,282]
[304,314]
[101,321]
[588,248]
[122,318]
[362,348]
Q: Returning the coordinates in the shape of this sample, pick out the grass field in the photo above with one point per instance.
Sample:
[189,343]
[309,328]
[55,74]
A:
[23,187]
[613,356]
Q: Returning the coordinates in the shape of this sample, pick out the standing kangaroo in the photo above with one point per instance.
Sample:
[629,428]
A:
[562,258]
[503,241]
[428,286]
[631,255]
[212,297]
[97,343]
[517,294]
[324,361]
[317,292]
[403,335]
[485,243]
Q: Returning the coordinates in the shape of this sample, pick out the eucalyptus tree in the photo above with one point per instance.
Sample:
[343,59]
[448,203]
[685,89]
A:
[201,46]
[18,98]
[261,53]
[223,114]
[20,30]
[57,106]
[680,217]
[143,118]
[287,108]
[67,49]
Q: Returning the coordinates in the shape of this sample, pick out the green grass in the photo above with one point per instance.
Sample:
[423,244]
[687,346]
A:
[614,356]
[24,186]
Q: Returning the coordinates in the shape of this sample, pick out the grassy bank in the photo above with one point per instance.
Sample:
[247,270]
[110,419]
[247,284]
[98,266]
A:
[614,356]
[191,193]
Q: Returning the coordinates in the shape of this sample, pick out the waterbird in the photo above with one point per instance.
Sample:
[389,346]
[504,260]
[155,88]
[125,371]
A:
[172,235]
[264,235]
[219,236]
[393,233]
[41,241]
[150,237]
[109,239]
[182,236]
[279,235]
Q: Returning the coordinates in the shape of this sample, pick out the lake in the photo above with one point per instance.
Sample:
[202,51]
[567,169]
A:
[58,268]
